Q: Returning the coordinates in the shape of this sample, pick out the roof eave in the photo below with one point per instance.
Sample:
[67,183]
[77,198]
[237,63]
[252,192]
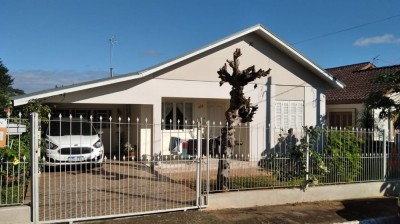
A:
[24,99]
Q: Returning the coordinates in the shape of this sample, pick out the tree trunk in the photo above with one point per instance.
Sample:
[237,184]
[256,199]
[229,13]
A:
[240,110]
[227,144]
[227,140]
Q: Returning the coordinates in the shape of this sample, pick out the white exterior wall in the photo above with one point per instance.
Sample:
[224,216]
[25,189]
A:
[197,78]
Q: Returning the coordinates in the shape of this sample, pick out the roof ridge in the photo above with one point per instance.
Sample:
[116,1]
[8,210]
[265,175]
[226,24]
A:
[378,68]
[346,66]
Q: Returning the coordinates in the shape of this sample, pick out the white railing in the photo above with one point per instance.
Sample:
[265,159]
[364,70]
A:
[14,161]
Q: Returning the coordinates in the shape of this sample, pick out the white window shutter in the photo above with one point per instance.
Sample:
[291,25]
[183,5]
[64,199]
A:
[300,115]
[289,114]
[285,115]
[278,115]
[293,114]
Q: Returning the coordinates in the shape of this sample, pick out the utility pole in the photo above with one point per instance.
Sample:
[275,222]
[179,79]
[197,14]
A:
[112,41]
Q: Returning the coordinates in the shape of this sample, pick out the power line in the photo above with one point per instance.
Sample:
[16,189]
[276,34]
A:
[347,29]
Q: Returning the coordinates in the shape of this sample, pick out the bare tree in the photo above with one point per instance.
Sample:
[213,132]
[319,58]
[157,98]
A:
[240,110]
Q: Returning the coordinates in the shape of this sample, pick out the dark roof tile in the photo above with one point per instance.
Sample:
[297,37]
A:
[357,79]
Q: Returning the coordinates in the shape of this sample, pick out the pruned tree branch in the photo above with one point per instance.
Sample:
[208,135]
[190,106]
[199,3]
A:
[240,110]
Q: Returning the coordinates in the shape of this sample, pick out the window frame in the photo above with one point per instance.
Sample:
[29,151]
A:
[166,124]
[345,117]
[291,120]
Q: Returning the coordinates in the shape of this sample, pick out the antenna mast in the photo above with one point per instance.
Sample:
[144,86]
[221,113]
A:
[375,58]
[112,41]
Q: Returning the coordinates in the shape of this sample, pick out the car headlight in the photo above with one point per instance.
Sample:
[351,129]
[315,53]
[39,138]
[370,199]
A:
[50,145]
[98,144]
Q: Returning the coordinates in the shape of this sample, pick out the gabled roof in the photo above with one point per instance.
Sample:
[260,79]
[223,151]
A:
[257,29]
[357,79]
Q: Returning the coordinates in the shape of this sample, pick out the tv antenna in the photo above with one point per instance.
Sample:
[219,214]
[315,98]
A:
[375,59]
[112,41]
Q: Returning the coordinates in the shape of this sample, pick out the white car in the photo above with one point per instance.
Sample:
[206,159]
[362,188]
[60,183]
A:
[72,141]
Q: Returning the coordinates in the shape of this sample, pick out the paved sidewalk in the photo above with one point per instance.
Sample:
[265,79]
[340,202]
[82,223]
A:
[366,211]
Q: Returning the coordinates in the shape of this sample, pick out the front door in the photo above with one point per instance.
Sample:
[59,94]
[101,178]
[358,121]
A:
[340,119]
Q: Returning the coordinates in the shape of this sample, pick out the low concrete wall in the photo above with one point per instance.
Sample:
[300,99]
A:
[242,199]
[15,214]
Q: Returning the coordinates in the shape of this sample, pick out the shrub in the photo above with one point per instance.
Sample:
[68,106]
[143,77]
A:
[338,161]
[344,153]
[14,159]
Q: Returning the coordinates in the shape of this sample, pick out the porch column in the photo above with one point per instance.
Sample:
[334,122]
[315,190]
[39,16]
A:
[322,115]
[269,115]
[157,134]
[271,110]
[311,102]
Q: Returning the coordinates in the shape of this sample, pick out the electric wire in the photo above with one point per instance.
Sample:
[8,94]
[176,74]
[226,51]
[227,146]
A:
[346,29]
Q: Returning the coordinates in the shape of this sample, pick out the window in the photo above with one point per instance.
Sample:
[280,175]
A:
[289,114]
[340,119]
[176,111]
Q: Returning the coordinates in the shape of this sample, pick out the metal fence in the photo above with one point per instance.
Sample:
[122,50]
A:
[87,169]
[335,156]
[80,178]
[14,161]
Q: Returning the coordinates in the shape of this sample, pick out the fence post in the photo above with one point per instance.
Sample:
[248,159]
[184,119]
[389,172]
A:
[307,160]
[34,167]
[198,159]
[208,162]
[384,155]
[8,121]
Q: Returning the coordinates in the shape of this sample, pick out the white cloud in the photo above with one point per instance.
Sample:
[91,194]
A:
[37,80]
[384,39]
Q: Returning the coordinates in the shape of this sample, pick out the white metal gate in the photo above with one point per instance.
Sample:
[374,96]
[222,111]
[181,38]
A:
[121,185]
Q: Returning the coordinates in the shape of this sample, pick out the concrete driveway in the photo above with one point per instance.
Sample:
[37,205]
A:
[115,188]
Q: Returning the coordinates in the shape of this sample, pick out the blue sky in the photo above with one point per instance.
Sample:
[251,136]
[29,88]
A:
[48,43]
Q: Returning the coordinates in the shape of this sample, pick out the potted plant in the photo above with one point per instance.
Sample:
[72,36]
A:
[129,150]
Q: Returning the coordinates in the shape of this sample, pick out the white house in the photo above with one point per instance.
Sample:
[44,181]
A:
[187,88]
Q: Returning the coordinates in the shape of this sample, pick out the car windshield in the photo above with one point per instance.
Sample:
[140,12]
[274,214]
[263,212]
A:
[57,128]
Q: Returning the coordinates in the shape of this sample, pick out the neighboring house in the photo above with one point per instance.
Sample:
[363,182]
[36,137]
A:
[187,87]
[345,106]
